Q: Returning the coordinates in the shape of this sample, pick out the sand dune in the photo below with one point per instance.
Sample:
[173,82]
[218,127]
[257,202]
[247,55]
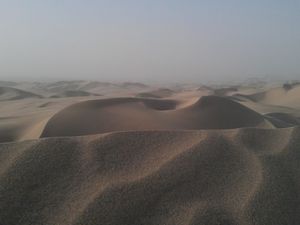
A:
[73,93]
[22,128]
[282,96]
[8,83]
[233,177]
[225,91]
[133,85]
[172,158]
[159,93]
[58,88]
[10,93]
[281,120]
[25,118]
[122,114]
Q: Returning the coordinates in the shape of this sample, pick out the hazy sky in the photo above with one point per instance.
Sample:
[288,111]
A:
[139,40]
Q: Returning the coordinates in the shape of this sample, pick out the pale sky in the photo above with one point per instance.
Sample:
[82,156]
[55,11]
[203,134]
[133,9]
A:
[153,40]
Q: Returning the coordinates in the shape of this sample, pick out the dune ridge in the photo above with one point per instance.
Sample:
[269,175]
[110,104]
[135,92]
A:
[11,93]
[245,176]
[74,93]
[280,96]
[123,114]
[154,156]
[159,93]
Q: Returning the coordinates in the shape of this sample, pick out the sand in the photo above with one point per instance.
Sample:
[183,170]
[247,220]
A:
[77,93]
[240,176]
[10,93]
[190,155]
[124,114]
[277,96]
[159,93]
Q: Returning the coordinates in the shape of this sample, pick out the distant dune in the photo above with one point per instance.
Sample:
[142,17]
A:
[287,95]
[10,93]
[281,120]
[233,177]
[73,93]
[142,155]
[225,91]
[133,85]
[8,83]
[121,114]
[159,93]
[205,88]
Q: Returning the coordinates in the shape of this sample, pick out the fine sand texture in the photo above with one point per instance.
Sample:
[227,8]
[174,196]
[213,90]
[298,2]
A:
[98,153]
[244,176]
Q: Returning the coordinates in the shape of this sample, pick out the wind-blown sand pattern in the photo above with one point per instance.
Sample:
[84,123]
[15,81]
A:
[243,176]
[188,158]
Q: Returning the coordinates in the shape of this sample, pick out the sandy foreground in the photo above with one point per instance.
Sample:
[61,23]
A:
[81,152]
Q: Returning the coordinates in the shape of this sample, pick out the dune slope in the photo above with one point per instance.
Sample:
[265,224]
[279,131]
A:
[160,93]
[124,114]
[73,93]
[280,96]
[10,93]
[232,177]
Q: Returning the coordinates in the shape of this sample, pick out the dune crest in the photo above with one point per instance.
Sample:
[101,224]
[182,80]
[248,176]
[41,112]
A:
[167,157]
[10,93]
[287,95]
[123,114]
[159,93]
[77,93]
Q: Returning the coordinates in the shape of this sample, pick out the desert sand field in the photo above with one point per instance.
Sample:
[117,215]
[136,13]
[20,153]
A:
[90,153]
